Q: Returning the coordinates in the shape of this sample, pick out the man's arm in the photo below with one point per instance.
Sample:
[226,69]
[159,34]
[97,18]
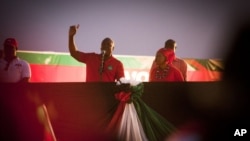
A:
[184,69]
[26,72]
[72,47]
[120,72]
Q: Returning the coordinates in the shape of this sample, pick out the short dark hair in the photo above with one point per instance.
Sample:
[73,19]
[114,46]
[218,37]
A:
[109,40]
[170,43]
[10,42]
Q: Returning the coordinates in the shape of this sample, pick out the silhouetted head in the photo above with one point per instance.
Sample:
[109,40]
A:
[107,45]
[10,47]
[170,44]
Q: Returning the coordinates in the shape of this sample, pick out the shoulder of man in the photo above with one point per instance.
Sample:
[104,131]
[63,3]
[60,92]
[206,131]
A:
[22,61]
[177,59]
[115,59]
[174,68]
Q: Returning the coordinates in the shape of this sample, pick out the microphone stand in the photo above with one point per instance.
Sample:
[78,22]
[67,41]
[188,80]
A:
[102,64]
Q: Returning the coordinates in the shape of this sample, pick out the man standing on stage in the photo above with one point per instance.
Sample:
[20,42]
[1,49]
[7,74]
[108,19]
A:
[101,67]
[12,68]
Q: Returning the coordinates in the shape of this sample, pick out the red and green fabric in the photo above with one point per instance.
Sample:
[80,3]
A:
[61,67]
[135,120]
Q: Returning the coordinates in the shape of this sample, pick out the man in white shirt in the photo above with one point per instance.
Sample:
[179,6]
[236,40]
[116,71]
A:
[12,68]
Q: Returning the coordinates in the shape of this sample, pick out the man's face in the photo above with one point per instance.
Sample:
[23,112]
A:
[9,51]
[108,46]
[175,46]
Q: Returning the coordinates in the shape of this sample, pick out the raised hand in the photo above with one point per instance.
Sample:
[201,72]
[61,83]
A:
[73,29]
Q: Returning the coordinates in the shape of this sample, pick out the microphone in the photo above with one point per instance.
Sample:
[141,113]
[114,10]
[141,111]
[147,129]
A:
[103,52]
[102,62]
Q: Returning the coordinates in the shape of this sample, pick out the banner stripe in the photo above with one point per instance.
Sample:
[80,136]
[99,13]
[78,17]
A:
[61,67]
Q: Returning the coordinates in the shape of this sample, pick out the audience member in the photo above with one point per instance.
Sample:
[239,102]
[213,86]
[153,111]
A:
[177,62]
[12,68]
[103,67]
[223,113]
[164,70]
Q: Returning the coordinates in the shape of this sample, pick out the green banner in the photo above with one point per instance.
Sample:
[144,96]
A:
[61,67]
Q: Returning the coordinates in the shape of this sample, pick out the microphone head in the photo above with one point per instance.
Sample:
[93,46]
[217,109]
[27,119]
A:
[103,52]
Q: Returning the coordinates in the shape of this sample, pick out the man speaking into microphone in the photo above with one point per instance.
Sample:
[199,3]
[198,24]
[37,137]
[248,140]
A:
[102,67]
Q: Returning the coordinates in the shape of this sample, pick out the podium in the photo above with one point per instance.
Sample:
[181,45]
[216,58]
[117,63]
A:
[82,110]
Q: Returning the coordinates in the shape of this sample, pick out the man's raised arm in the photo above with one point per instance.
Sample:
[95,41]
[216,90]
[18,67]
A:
[72,46]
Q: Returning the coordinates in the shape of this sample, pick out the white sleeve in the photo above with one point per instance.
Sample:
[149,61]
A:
[26,71]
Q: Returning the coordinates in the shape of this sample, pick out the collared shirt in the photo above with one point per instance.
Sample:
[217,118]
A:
[15,71]
[113,69]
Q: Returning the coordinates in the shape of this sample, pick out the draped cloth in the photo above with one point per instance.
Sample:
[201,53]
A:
[134,120]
